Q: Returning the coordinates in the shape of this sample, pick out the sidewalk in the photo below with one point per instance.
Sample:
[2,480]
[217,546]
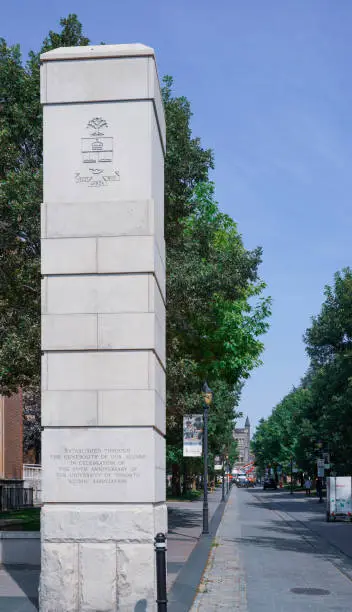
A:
[19,587]
[19,590]
[185,527]
[223,585]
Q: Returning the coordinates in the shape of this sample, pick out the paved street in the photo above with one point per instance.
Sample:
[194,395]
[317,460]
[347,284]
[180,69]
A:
[268,545]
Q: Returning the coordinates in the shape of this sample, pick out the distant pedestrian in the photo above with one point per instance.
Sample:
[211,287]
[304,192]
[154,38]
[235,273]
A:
[319,487]
[308,485]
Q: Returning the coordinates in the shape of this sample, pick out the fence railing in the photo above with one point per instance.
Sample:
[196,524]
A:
[14,498]
[32,476]
[31,471]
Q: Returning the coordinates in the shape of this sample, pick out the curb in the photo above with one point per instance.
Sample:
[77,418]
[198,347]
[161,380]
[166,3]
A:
[184,589]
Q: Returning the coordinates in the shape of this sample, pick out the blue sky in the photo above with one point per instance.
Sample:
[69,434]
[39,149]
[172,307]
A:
[270,85]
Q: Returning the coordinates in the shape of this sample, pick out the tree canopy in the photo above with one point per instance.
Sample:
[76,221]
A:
[20,199]
[216,312]
[317,416]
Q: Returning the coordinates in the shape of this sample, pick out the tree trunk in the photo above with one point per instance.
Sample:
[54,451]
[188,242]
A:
[175,482]
[185,483]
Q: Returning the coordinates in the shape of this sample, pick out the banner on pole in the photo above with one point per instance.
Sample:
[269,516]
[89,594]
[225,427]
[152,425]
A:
[192,435]
[218,464]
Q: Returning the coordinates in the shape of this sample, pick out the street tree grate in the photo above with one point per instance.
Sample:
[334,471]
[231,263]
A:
[308,591]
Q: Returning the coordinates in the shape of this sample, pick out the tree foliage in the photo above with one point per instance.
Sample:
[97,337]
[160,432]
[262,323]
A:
[317,415]
[215,312]
[20,199]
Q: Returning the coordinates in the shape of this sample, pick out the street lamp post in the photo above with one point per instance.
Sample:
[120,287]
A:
[207,397]
[223,479]
[291,476]
[227,477]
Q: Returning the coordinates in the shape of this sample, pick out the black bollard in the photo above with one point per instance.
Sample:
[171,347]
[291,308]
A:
[160,551]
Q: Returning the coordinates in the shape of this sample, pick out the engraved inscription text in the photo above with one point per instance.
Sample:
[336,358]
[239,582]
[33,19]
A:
[100,466]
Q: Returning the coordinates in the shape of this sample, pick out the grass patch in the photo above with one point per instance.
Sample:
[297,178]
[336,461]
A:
[29,517]
[189,496]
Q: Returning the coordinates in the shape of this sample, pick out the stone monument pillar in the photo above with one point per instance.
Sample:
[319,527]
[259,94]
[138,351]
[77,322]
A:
[103,328]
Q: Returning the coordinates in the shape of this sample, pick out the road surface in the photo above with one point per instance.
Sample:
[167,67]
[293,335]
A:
[275,553]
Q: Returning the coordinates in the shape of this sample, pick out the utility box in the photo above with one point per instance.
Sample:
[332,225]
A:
[339,497]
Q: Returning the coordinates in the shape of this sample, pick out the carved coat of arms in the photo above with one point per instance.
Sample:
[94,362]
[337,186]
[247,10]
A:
[97,151]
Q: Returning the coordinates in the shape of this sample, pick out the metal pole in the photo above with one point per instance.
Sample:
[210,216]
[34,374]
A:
[291,476]
[205,478]
[223,481]
[160,551]
[320,481]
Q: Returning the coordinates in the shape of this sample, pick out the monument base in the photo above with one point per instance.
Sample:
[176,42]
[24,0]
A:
[99,557]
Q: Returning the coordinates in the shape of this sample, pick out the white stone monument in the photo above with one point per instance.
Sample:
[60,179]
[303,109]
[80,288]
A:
[103,328]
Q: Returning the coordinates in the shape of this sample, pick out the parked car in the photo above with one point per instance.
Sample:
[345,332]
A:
[270,483]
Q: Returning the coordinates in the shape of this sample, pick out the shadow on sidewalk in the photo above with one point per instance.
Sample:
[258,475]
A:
[305,534]
[27,578]
[298,539]
[141,606]
[284,502]
[182,518]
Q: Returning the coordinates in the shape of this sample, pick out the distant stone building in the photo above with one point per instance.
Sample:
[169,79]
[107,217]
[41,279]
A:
[243,437]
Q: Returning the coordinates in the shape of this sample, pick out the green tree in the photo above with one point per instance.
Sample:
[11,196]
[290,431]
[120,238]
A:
[20,198]
[216,312]
[320,409]
[285,434]
[216,316]
[213,317]
[330,336]
[186,164]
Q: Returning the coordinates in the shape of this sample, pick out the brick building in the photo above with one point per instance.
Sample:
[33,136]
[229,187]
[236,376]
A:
[11,437]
